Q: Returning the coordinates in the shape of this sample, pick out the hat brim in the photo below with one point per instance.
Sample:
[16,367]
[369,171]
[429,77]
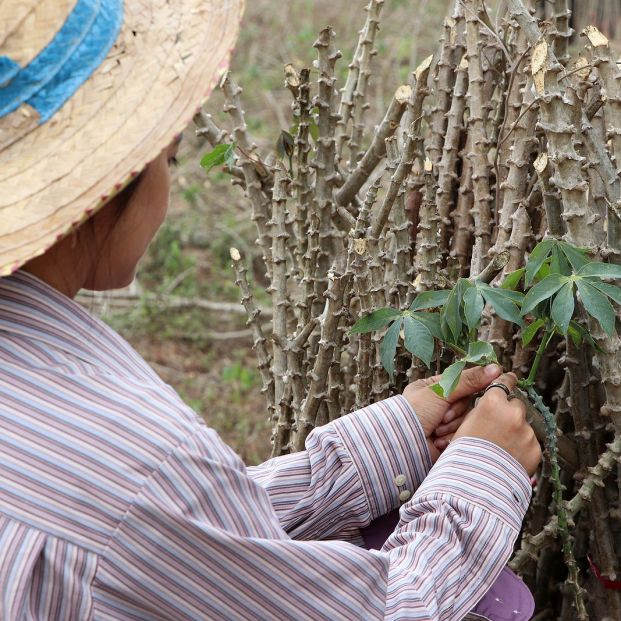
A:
[164,64]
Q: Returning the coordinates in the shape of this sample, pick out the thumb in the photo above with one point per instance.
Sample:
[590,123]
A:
[474,380]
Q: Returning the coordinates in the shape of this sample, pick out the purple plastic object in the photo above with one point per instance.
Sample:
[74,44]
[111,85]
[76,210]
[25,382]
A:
[508,599]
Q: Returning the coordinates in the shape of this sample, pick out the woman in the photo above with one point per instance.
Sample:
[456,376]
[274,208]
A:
[116,500]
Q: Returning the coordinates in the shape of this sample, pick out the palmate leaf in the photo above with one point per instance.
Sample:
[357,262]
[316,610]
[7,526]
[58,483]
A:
[597,305]
[430,299]
[544,271]
[558,262]
[512,279]
[513,296]
[579,333]
[432,321]
[375,320]
[563,307]
[388,347]
[451,315]
[530,332]
[563,259]
[613,292]
[480,352]
[504,302]
[473,307]
[601,270]
[542,291]
[418,339]
[449,379]
[536,259]
[578,257]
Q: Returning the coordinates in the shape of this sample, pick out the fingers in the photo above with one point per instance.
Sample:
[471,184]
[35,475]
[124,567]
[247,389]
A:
[456,409]
[474,380]
[453,418]
[497,395]
[449,428]
[442,443]
[508,379]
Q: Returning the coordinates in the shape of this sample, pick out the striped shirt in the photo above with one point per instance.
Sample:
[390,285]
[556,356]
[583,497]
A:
[118,502]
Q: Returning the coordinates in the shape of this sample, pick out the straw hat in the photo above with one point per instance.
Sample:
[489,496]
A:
[90,92]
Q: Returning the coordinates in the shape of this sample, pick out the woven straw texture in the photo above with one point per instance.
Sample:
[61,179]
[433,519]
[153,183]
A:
[163,65]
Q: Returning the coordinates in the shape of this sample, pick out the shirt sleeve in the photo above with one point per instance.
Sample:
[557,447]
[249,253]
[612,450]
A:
[351,472]
[202,541]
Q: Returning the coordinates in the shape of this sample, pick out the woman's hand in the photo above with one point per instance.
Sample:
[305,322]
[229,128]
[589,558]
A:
[440,418]
[501,420]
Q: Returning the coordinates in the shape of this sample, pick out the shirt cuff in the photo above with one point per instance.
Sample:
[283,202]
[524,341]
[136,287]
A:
[389,450]
[482,473]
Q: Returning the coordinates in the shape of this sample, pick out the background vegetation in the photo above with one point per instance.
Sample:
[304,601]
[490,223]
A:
[207,354]
[505,142]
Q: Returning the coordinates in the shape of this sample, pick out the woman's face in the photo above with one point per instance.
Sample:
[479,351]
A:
[120,232]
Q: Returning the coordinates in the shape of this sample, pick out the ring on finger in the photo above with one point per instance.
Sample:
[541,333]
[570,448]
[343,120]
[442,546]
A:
[499,385]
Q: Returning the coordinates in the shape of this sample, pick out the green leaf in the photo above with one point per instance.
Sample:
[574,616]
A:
[432,321]
[563,307]
[529,333]
[613,292]
[388,347]
[537,257]
[544,271]
[220,154]
[559,263]
[504,307]
[375,320]
[418,340]
[229,156]
[480,352]
[447,336]
[450,313]
[430,299]
[579,333]
[575,332]
[542,291]
[576,256]
[597,305]
[512,279]
[601,270]
[449,379]
[514,296]
[313,130]
[473,308]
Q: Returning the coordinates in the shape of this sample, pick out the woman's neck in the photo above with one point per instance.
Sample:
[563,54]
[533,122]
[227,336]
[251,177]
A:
[61,267]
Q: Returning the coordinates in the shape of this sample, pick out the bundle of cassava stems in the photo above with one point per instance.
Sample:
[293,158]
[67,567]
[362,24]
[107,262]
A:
[509,134]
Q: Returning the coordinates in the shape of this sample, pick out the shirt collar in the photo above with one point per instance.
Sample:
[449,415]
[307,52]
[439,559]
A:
[35,310]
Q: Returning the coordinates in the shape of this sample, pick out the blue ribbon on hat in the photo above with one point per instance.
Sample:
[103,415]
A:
[72,56]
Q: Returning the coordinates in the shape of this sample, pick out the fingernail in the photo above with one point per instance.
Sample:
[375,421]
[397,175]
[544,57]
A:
[448,417]
[492,370]
[440,431]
